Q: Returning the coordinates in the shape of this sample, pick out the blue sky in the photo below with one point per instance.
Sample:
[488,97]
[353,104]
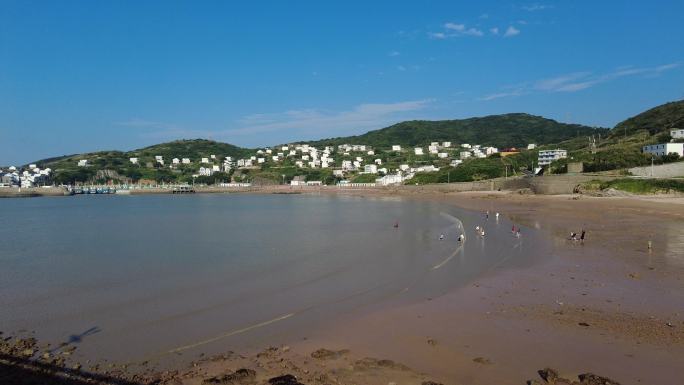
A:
[79,76]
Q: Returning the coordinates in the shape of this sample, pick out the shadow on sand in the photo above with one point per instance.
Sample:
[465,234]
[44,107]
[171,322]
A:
[23,371]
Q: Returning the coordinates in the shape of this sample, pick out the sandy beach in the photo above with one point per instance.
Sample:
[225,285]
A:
[609,306]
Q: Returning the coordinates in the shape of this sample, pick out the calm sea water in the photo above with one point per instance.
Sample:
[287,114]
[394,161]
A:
[131,277]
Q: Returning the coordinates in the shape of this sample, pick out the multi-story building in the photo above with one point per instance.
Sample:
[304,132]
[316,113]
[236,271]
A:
[547,156]
[664,149]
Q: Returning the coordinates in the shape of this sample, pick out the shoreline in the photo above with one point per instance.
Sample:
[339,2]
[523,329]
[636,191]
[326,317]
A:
[509,323]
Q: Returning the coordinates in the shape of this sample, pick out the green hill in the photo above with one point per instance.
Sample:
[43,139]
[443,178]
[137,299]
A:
[509,130]
[656,120]
[118,165]
[622,147]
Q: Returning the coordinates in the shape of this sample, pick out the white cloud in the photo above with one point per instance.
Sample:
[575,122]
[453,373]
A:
[146,124]
[499,95]
[558,82]
[393,53]
[511,31]
[494,31]
[536,7]
[401,68]
[578,81]
[582,80]
[455,30]
[455,27]
[363,116]
[473,32]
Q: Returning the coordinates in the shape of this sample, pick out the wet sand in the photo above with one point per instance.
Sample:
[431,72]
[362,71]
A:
[609,306]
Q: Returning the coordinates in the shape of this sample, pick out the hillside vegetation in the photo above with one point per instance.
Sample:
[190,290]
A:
[655,121]
[508,130]
[618,150]
[116,165]
[600,150]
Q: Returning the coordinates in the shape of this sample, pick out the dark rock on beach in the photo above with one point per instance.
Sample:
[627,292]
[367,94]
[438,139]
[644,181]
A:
[325,354]
[592,379]
[550,376]
[287,379]
[240,376]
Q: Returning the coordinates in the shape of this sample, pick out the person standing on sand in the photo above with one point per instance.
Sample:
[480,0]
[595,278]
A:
[582,236]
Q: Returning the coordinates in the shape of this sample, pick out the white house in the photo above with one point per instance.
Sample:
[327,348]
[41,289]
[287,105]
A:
[185,160]
[547,156]
[299,180]
[370,169]
[443,155]
[396,147]
[491,150]
[531,146]
[404,167]
[175,160]
[261,160]
[664,149]
[465,145]
[205,160]
[371,152]
[133,160]
[378,161]
[429,168]
[465,154]
[389,180]
[433,149]
[215,168]
[205,171]
[82,162]
[418,151]
[446,144]
[677,133]
[212,156]
[338,173]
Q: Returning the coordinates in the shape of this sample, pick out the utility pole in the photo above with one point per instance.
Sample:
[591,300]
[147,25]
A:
[651,165]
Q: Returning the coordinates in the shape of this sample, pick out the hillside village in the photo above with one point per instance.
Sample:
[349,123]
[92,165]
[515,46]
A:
[345,162]
[399,154]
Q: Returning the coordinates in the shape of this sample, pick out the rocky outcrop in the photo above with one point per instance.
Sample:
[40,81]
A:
[551,376]
[287,379]
[239,377]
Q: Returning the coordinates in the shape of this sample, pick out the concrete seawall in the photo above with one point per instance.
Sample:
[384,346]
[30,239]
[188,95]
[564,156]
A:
[544,185]
[14,192]
[670,170]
